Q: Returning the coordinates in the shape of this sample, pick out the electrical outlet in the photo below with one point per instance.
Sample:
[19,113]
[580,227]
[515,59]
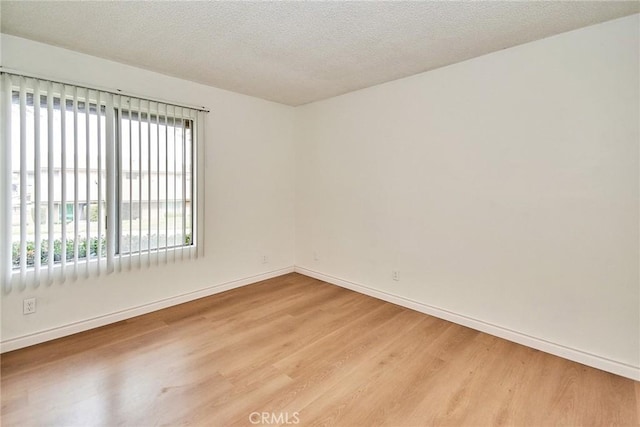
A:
[395,275]
[316,257]
[29,306]
[265,259]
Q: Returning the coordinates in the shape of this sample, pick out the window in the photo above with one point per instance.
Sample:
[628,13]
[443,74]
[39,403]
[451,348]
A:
[155,209]
[94,180]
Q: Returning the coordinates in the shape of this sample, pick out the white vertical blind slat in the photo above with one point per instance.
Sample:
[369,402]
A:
[99,160]
[139,184]
[175,173]
[166,183]
[87,145]
[76,223]
[193,196]
[184,186]
[158,186]
[111,184]
[23,182]
[199,149]
[6,207]
[130,184]
[189,147]
[50,187]
[117,177]
[37,183]
[149,175]
[63,204]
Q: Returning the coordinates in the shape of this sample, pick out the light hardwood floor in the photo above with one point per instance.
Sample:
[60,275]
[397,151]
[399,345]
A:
[303,349]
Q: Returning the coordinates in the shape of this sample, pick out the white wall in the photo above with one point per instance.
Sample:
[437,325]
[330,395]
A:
[504,189]
[249,194]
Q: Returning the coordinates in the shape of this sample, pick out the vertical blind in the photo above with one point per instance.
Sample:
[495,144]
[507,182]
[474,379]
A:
[93,181]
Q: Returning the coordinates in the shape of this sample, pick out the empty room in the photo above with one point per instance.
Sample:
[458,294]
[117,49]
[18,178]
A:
[330,213]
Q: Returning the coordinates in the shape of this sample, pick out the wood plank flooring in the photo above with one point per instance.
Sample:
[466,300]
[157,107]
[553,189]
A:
[299,351]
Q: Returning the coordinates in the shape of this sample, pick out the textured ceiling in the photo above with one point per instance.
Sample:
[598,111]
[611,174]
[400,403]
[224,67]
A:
[297,52]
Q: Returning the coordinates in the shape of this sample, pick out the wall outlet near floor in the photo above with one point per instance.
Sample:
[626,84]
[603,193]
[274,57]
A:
[316,257]
[395,275]
[29,306]
[265,259]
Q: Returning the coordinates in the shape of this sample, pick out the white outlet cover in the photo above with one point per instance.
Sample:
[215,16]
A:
[29,306]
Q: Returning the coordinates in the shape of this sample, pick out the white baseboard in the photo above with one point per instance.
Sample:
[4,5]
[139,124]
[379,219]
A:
[598,362]
[84,325]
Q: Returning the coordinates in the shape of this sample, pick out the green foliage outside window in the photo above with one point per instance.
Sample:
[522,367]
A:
[57,250]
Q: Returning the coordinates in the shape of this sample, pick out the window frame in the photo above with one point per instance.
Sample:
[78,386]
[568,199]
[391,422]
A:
[120,173]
